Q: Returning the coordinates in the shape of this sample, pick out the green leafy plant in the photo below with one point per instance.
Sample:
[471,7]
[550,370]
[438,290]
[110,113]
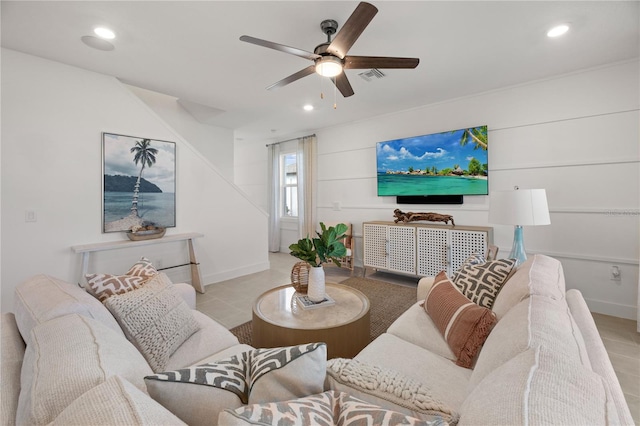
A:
[327,247]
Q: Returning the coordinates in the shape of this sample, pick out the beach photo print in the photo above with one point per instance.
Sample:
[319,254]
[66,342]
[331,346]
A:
[138,183]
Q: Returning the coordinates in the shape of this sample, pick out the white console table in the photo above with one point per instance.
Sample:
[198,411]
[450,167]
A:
[196,278]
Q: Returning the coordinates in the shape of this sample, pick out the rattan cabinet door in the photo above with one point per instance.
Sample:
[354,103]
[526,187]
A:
[433,251]
[464,244]
[402,249]
[375,246]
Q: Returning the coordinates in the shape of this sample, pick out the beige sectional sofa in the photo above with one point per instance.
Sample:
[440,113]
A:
[543,362]
[66,360]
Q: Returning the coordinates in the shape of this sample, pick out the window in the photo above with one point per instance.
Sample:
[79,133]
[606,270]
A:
[289,185]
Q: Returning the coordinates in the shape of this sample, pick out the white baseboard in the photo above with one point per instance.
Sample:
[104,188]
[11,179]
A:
[235,273]
[613,309]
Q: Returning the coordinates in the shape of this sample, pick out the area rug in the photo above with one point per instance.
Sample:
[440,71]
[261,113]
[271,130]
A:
[388,301]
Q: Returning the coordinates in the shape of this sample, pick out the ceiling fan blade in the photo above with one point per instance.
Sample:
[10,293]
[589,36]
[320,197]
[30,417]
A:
[352,29]
[293,77]
[364,62]
[343,85]
[280,47]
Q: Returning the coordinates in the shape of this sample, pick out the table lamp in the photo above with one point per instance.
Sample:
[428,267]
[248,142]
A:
[519,207]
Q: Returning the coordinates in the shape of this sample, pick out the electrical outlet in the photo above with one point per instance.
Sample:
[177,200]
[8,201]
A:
[336,206]
[615,273]
[30,216]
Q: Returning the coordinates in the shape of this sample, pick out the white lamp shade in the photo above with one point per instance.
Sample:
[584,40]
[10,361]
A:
[519,207]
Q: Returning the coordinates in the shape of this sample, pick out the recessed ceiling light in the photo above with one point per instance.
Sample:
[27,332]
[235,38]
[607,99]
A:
[558,30]
[308,107]
[104,33]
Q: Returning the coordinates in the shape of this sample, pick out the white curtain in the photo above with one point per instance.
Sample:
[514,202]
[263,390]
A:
[274,198]
[307,177]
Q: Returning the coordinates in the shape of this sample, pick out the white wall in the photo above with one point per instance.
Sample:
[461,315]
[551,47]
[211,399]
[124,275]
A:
[575,135]
[214,143]
[52,119]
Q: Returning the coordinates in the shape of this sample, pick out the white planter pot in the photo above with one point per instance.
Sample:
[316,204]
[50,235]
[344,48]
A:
[315,289]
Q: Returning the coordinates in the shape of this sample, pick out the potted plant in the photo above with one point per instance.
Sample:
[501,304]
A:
[326,247]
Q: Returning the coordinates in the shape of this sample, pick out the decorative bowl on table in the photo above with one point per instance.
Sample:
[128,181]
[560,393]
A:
[146,234]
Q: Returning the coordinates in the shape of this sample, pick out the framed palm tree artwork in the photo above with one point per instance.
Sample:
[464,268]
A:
[138,182]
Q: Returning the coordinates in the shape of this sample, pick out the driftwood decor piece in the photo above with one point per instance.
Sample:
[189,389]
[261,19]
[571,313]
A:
[429,217]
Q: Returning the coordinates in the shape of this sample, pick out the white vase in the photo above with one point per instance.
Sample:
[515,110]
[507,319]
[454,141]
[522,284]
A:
[315,288]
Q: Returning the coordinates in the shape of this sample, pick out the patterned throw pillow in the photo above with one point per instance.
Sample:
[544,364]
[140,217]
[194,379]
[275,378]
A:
[155,318]
[142,268]
[327,408]
[255,376]
[104,286]
[464,325]
[481,283]
[474,259]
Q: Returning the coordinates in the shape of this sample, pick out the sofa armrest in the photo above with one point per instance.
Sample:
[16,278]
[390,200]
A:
[188,293]
[424,285]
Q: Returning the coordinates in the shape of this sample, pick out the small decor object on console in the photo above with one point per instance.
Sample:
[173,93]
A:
[429,217]
[148,232]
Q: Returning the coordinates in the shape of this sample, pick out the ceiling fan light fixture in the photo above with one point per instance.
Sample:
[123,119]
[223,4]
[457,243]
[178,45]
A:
[329,66]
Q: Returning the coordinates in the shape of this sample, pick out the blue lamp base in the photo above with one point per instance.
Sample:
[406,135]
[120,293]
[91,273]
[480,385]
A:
[517,251]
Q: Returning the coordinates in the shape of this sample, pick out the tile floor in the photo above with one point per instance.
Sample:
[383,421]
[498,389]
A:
[230,303]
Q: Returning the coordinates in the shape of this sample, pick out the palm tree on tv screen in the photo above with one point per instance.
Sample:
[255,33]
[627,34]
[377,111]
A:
[476,134]
[146,155]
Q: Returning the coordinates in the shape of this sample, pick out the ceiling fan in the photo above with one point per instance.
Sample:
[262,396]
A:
[330,59]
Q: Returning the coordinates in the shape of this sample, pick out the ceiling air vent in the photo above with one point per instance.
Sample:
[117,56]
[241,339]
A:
[371,74]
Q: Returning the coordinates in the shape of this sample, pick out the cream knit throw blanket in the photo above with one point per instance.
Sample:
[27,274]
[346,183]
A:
[389,385]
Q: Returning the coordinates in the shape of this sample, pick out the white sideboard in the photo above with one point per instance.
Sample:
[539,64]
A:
[421,249]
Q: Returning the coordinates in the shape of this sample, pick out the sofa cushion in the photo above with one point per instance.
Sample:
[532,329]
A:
[12,347]
[327,408]
[415,327]
[538,386]
[154,318]
[481,282]
[66,357]
[447,381]
[41,298]
[464,325]
[255,376]
[598,357]
[541,275]
[535,321]
[381,385]
[115,402]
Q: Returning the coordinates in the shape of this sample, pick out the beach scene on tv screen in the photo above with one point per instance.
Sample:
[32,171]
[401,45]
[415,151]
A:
[447,163]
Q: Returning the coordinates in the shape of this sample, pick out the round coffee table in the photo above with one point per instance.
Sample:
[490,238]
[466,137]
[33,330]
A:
[279,320]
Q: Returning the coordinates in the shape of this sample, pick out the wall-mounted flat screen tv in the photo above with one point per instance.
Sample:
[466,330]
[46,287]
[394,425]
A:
[447,163]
